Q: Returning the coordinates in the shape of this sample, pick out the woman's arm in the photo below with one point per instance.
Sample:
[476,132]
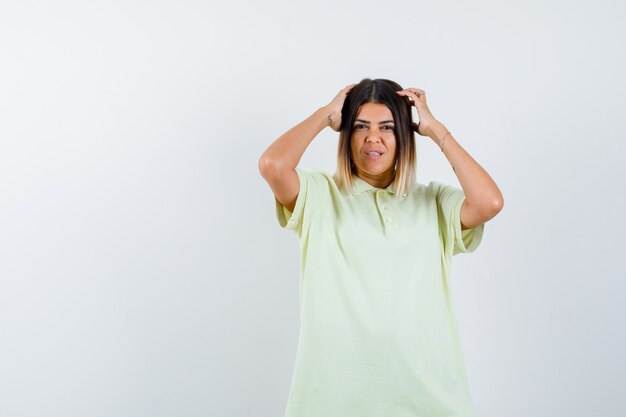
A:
[278,163]
[483,199]
[287,150]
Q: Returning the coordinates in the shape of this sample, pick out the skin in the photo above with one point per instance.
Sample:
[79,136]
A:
[374,129]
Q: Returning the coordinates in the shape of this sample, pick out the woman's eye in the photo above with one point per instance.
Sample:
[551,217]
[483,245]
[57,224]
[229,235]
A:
[365,127]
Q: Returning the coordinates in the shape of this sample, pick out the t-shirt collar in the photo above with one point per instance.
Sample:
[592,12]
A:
[360,185]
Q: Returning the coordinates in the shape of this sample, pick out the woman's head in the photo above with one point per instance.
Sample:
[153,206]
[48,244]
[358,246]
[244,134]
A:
[375,118]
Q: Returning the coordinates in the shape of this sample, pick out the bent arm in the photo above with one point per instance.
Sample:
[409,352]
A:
[483,198]
[278,163]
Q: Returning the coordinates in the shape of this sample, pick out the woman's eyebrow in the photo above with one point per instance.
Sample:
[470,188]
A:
[367,121]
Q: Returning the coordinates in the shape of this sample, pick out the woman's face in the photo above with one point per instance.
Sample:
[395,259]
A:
[373,131]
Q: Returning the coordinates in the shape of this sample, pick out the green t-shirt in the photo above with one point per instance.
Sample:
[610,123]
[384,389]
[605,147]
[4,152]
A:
[378,333]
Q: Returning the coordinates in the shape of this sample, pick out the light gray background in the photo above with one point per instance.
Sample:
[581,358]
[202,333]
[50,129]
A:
[142,270]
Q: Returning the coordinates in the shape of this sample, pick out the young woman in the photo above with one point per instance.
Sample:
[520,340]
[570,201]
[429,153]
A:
[378,332]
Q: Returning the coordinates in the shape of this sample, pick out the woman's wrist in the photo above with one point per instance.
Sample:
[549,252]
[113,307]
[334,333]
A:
[437,132]
[331,117]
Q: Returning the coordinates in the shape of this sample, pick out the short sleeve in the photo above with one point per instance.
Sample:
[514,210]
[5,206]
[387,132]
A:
[313,186]
[449,201]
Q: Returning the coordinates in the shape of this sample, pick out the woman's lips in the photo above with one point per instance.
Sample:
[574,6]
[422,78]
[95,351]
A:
[374,154]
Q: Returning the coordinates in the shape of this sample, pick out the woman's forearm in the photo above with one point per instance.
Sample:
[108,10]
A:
[480,189]
[287,150]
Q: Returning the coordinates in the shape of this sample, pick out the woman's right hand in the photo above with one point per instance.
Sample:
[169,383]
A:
[335,106]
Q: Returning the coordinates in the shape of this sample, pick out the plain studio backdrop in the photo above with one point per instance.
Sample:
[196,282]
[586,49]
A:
[143,271]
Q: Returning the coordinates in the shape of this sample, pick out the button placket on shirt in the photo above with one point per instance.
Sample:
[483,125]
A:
[384,209]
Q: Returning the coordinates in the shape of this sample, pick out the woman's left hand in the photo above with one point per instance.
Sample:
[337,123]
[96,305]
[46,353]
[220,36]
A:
[417,98]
